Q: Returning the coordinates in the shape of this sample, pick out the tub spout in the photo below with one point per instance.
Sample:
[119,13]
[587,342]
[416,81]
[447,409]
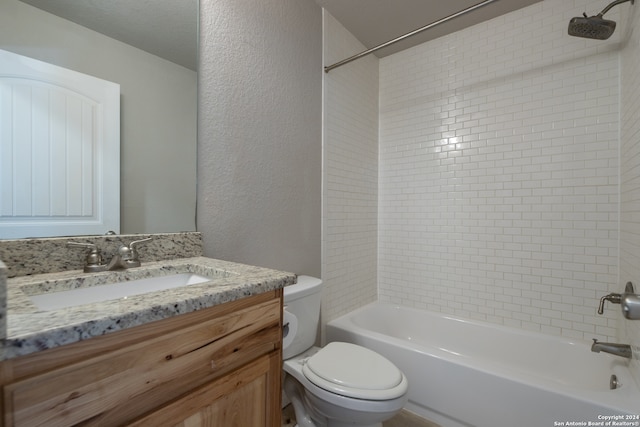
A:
[622,350]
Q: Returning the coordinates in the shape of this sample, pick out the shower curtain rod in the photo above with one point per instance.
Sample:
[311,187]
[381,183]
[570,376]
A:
[412,33]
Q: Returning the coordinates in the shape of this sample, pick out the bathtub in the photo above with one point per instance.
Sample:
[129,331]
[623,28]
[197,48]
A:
[469,373]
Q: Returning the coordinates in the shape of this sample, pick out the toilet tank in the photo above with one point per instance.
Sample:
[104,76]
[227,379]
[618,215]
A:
[301,315]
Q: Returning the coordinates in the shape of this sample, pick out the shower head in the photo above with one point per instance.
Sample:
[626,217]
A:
[591,27]
[594,27]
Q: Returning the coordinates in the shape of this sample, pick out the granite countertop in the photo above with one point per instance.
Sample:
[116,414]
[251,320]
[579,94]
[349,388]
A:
[30,329]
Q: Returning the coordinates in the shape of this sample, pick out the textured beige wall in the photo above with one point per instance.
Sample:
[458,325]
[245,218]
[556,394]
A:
[260,125]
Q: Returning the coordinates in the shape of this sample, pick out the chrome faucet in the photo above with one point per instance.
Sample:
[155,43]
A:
[622,350]
[126,257]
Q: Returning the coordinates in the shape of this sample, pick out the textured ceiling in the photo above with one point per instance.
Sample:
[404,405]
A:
[374,22]
[166,28]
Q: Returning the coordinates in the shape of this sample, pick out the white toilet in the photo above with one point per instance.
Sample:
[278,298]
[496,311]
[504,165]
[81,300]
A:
[341,384]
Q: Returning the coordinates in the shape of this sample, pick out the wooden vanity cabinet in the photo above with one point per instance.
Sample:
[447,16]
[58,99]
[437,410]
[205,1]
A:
[219,366]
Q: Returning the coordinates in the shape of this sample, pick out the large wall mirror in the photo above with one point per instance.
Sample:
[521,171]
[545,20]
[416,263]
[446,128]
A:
[149,48]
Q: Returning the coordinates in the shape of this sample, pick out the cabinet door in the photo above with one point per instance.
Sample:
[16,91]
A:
[247,397]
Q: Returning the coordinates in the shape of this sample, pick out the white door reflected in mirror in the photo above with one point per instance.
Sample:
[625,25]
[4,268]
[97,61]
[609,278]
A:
[59,150]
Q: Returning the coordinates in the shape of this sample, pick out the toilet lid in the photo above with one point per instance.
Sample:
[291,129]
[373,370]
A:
[354,371]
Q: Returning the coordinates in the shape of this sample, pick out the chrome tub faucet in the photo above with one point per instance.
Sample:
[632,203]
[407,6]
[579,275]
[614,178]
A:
[622,350]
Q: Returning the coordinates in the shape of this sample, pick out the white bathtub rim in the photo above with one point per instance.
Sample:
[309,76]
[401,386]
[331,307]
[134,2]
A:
[625,398]
[464,359]
[475,322]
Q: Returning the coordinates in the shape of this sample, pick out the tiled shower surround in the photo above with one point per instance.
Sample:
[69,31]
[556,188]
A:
[499,173]
[350,175]
[508,173]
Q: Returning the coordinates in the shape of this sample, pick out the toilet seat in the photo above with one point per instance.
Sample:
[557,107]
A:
[354,371]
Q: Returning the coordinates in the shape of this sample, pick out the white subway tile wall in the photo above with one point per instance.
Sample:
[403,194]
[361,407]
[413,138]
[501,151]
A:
[630,177]
[501,187]
[350,175]
[498,173]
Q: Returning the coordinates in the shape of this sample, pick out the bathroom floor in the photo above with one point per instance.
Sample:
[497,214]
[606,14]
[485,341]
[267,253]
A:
[403,419]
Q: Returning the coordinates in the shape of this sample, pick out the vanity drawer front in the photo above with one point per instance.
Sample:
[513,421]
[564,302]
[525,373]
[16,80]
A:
[125,383]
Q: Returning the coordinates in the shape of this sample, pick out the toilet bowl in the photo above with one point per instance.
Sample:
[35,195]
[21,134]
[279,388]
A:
[341,384]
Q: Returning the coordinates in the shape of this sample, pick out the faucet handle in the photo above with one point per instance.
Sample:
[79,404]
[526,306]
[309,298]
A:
[135,243]
[629,302]
[613,297]
[133,246]
[82,245]
[93,261]
[129,253]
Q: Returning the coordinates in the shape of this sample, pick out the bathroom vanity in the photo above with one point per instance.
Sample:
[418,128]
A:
[218,366]
[206,354]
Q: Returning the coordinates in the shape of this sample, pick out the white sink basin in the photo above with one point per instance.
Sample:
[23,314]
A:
[112,291]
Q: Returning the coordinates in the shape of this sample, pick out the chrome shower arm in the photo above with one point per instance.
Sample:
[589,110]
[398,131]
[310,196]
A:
[613,4]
